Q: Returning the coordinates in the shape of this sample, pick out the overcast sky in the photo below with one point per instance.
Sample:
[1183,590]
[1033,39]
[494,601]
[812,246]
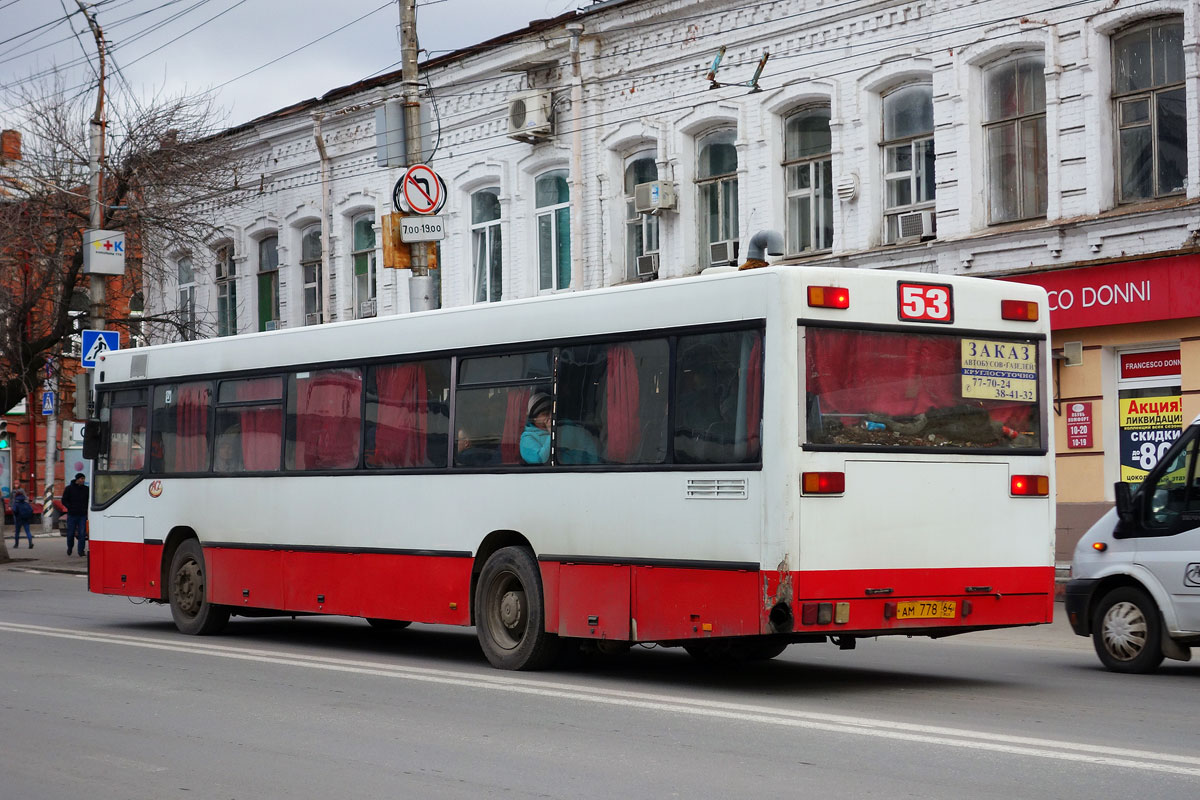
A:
[216,41]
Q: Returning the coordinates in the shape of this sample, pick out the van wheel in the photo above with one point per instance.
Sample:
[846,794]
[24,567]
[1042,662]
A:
[1127,631]
[186,589]
[510,616]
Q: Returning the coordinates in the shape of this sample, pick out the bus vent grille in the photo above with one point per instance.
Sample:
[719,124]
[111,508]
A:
[716,489]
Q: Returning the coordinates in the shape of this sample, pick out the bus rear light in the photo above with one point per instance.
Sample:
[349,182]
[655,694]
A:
[816,613]
[1029,485]
[828,297]
[1020,310]
[823,482]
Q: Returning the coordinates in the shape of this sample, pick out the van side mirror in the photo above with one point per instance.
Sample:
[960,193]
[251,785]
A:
[91,439]
[1124,501]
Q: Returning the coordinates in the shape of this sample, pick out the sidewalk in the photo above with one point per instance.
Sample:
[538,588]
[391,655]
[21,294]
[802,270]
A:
[49,552]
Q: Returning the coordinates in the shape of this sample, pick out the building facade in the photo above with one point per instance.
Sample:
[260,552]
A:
[1055,144]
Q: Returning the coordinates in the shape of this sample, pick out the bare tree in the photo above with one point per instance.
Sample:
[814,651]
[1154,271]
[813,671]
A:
[166,158]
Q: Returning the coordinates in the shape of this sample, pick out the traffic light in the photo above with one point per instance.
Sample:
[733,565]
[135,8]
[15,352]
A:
[4,436]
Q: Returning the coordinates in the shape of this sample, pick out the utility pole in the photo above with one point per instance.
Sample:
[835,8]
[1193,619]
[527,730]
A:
[95,157]
[420,285]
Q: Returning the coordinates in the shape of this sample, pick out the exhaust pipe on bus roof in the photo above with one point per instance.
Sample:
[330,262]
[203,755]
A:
[762,244]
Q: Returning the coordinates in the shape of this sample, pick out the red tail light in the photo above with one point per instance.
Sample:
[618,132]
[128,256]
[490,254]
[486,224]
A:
[1029,485]
[828,297]
[823,482]
[1020,310]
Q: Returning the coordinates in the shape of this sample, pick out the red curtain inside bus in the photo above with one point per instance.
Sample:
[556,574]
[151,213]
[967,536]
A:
[515,415]
[261,426]
[191,427]
[328,409]
[401,430]
[622,395]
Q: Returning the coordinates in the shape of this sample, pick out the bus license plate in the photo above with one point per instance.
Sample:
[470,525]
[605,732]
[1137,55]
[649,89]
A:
[926,609]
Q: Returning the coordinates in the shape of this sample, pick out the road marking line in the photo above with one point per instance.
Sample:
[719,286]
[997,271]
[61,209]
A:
[809,720]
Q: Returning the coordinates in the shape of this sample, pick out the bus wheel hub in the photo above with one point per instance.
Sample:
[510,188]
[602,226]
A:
[511,609]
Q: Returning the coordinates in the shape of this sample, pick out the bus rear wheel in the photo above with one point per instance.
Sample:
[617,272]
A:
[388,624]
[186,589]
[510,616]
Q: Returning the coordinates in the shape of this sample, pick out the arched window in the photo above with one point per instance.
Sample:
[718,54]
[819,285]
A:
[310,266]
[226,291]
[486,251]
[363,255]
[552,197]
[1151,110]
[187,297]
[641,230]
[268,283]
[809,180]
[717,195]
[908,162]
[1015,127]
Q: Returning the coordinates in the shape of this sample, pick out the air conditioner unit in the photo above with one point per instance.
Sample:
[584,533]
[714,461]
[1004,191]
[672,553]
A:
[366,308]
[723,254]
[653,197]
[647,265]
[272,325]
[313,319]
[915,226]
[531,116]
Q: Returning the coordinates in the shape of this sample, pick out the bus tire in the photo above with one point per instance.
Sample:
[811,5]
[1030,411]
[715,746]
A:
[388,624]
[1127,631]
[510,615]
[186,590]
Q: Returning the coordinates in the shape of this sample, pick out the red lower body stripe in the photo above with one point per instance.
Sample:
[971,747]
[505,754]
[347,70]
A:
[614,601]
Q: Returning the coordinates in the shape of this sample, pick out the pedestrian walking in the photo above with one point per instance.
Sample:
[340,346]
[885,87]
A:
[75,498]
[22,514]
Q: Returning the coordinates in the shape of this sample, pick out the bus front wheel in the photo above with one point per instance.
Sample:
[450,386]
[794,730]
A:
[190,608]
[510,616]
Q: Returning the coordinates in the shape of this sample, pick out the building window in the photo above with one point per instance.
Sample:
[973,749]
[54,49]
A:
[809,166]
[226,292]
[268,283]
[1150,106]
[187,298]
[641,230]
[310,266]
[717,190]
[1015,128]
[908,162]
[553,201]
[365,272]
[486,245]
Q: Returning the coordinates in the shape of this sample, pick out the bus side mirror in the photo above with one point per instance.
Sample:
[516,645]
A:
[91,439]
[1124,501]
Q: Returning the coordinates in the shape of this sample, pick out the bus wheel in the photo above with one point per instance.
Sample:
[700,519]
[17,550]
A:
[388,624]
[509,612]
[762,648]
[190,608]
[1127,631]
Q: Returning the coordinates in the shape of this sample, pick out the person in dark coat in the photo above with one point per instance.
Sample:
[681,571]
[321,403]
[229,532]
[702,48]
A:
[22,514]
[75,498]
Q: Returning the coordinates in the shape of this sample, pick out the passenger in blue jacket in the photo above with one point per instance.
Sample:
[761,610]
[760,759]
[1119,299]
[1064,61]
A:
[22,514]
[535,439]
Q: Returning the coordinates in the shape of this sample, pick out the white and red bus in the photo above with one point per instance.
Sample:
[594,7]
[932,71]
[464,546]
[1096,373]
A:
[736,462]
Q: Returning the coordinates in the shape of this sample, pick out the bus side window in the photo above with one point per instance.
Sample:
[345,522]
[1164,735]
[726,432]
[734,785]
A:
[249,425]
[324,417]
[718,398]
[180,442]
[407,419]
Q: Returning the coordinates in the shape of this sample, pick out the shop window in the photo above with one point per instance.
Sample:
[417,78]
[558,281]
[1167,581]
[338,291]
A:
[808,167]
[1015,129]
[1151,110]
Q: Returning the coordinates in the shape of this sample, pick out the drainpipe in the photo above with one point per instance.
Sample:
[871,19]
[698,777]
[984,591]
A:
[326,226]
[576,29]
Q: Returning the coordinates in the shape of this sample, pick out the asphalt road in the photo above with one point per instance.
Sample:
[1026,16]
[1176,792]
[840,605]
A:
[101,698]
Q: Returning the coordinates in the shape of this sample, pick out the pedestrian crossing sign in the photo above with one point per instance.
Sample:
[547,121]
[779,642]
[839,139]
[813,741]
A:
[97,343]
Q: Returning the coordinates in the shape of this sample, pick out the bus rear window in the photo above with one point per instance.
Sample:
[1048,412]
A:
[916,390]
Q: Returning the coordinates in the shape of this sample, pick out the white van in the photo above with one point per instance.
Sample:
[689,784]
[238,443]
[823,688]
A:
[1135,580]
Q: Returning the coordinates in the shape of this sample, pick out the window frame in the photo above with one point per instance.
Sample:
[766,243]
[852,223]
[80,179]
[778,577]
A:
[639,228]
[268,280]
[487,250]
[915,143]
[721,188]
[367,255]
[552,214]
[187,297]
[997,176]
[819,191]
[1150,95]
[226,281]
[317,285]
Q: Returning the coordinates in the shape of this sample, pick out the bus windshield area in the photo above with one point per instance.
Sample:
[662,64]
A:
[868,388]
